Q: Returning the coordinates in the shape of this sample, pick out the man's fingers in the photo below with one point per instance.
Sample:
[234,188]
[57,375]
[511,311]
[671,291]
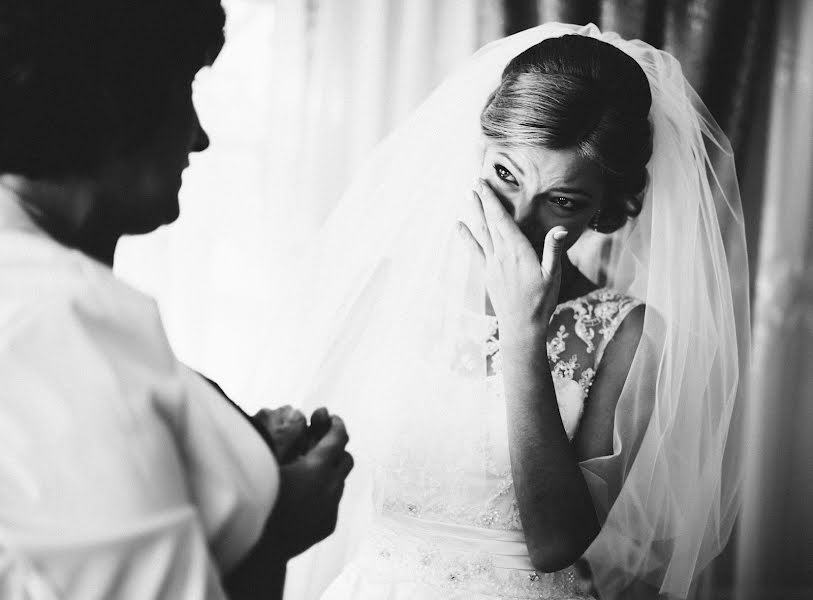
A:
[320,415]
[346,463]
[333,442]
[283,417]
[294,416]
[268,417]
[552,251]
[320,422]
[263,417]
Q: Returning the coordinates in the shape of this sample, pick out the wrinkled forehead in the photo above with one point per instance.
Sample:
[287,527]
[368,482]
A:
[545,166]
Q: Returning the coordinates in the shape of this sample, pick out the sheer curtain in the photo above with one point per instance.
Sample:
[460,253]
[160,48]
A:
[301,92]
[775,553]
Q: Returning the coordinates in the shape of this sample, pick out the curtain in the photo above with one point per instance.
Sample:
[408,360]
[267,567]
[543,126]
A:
[302,90]
[725,48]
[776,527]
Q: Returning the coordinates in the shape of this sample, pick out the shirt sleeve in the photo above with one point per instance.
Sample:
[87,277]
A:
[233,476]
[123,474]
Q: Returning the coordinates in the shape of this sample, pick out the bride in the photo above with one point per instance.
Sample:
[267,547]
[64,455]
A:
[543,374]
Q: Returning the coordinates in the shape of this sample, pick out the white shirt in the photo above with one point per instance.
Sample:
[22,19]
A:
[123,474]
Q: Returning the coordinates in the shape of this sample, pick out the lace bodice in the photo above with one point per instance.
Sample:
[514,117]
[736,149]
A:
[447,511]
[459,493]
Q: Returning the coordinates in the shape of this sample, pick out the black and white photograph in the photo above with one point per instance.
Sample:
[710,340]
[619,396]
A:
[406,300]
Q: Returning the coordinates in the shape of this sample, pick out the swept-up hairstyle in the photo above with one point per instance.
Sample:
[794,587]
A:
[579,92]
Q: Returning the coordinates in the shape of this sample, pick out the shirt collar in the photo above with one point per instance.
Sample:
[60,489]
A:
[13,216]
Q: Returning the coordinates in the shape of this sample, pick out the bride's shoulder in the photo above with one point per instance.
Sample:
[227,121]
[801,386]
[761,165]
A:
[601,316]
[605,304]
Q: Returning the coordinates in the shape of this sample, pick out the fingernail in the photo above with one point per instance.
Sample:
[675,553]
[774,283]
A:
[560,235]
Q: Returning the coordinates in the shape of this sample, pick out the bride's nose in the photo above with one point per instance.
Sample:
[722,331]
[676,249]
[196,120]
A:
[521,211]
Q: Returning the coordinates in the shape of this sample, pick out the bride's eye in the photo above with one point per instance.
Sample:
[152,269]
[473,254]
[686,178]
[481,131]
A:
[504,174]
[563,202]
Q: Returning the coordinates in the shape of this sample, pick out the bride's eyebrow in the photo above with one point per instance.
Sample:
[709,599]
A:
[514,165]
[563,189]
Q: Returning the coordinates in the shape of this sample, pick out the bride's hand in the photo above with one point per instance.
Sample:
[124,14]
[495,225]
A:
[524,292]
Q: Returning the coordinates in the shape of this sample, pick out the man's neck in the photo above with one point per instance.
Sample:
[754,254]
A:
[68,211]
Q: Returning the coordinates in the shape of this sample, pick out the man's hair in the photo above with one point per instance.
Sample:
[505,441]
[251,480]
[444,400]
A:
[84,80]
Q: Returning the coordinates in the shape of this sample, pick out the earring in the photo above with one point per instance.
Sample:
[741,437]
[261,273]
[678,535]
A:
[594,222]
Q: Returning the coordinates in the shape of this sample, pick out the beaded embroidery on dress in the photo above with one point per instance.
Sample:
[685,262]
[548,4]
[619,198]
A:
[458,535]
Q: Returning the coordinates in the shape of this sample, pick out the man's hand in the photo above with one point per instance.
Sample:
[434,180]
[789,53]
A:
[311,486]
[288,430]
[320,425]
[310,489]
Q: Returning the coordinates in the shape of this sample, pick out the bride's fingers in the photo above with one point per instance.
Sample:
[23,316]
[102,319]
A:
[468,238]
[552,250]
[492,208]
[479,225]
[489,219]
[500,223]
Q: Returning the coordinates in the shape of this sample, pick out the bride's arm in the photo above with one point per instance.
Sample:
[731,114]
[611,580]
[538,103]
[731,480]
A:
[594,437]
[555,505]
[554,501]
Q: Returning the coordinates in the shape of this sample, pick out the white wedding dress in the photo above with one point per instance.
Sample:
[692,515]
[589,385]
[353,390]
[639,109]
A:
[459,535]
[386,330]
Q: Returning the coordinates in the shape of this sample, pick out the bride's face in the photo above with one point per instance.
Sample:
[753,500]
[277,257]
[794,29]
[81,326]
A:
[543,188]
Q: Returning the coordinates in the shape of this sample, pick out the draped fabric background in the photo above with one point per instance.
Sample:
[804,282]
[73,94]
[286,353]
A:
[725,48]
[304,88]
[775,553]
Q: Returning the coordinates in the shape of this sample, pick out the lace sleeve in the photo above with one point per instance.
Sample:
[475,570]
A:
[612,309]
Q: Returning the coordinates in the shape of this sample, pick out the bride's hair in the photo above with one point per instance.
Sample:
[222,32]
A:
[82,80]
[578,92]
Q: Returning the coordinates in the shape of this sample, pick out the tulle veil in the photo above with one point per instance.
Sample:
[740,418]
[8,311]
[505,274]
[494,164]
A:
[379,327]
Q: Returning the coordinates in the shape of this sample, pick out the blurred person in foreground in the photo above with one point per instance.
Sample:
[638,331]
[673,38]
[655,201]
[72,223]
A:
[123,473]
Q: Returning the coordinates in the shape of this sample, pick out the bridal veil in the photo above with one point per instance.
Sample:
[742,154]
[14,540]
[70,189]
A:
[384,326]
